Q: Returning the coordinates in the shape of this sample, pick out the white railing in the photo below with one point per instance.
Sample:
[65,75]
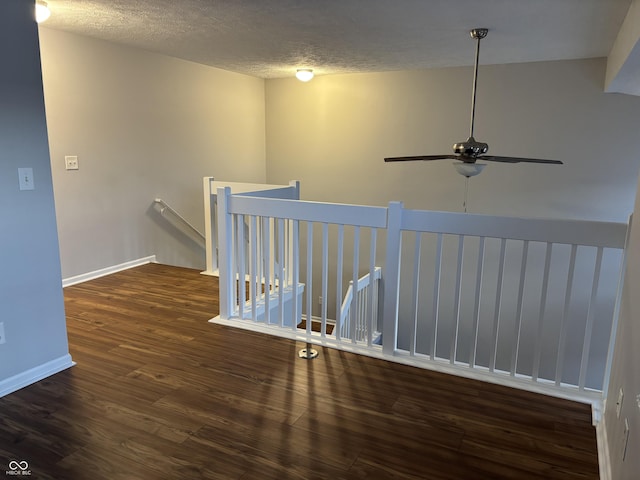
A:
[528,299]
[210,189]
[356,319]
[302,241]
[524,302]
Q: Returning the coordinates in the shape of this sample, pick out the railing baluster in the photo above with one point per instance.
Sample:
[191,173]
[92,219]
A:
[436,297]
[356,266]
[309,275]
[516,331]
[260,280]
[325,277]
[456,308]
[373,287]
[476,306]
[282,284]
[543,304]
[586,347]
[339,272]
[266,223]
[254,284]
[234,262]
[295,272]
[242,294]
[417,250]
[565,314]
[497,307]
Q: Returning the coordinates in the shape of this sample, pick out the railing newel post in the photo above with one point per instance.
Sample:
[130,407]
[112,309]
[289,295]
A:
[391,282]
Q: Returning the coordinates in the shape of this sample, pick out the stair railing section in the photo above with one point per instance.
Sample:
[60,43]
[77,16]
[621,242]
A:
[210,189]
[366,287]
[179,222]
[293,281]
[528,303]
[507,298]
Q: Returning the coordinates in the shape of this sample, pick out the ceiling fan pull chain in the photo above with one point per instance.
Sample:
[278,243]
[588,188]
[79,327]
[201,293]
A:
[466,193]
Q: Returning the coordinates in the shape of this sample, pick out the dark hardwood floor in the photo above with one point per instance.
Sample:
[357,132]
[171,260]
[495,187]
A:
[159,393]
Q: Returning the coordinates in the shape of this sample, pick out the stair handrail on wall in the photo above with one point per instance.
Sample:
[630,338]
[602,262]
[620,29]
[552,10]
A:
[179,222]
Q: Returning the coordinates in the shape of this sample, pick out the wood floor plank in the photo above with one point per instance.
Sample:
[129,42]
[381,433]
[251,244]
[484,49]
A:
[160,393]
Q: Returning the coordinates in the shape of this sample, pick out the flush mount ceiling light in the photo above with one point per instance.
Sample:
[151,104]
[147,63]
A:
[304,74]
[42,11]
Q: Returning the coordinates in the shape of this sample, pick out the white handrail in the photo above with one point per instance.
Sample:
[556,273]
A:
[179,221]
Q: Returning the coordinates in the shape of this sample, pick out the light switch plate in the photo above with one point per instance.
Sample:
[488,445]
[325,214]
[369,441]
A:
[25,178]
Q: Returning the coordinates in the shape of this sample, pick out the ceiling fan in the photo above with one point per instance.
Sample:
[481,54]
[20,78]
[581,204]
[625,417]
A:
[469,151]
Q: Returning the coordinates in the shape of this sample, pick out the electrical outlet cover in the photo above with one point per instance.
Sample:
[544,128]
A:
[71,162]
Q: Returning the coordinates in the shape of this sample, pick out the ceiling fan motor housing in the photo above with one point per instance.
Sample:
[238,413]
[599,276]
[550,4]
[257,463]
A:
[470,148]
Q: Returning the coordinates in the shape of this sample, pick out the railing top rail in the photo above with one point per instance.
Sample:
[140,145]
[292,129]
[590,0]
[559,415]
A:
[289,193]
[336,213]
[578,232]
[241,187]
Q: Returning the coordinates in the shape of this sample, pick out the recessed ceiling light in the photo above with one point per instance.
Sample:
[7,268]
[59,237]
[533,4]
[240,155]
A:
[42,11]
[304,74]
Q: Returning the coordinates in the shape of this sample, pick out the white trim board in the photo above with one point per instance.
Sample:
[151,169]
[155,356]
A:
[84,277]
[604,456]
[35,374]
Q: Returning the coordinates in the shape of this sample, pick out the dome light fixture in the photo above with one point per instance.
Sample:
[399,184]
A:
[304,74]
[469,169]
[42,11]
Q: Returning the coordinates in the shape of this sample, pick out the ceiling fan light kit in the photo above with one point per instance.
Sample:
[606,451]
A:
[469,169]
[469,151]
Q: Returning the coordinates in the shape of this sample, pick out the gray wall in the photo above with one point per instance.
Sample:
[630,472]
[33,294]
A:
[143,126]
[333,132]
[625,372]
[31,304]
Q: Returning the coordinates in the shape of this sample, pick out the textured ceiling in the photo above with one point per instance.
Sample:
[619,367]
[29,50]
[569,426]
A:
[271,38]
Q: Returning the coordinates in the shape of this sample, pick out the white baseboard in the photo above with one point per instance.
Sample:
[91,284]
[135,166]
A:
[67,282]
[35,374]
[604,459]
[211,273]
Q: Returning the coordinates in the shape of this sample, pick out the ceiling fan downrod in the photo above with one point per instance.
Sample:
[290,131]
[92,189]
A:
[477,34]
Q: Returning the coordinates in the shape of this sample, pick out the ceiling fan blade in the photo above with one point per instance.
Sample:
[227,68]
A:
[419,157]
[493,158]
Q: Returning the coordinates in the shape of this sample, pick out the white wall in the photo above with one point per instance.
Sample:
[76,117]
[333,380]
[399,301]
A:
[625,372]
[143,126]
[31,303]
[333,132]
